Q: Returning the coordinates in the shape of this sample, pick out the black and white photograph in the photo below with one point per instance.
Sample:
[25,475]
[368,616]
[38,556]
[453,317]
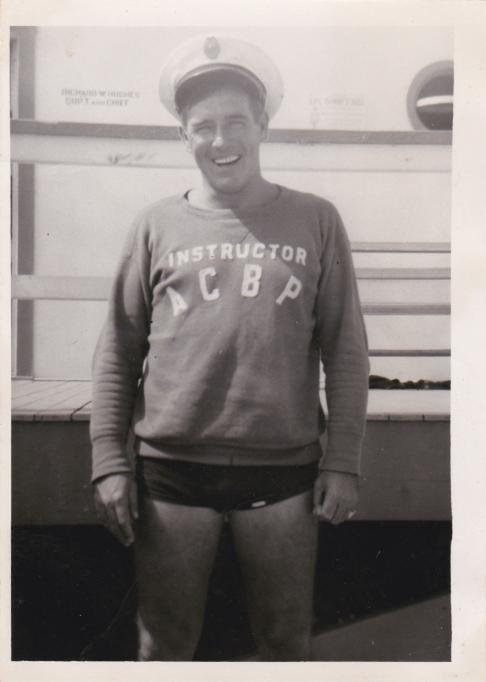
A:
[231,340]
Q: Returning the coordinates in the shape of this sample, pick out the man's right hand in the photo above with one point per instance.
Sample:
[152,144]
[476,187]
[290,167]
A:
[115,499]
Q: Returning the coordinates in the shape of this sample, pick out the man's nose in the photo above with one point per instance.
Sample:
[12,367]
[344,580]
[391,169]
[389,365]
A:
[219,137]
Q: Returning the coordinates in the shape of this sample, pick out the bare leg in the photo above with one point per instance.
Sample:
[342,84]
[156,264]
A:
[175,549]
[276,546]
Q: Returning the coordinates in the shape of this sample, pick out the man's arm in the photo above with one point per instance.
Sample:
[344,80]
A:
[344,352]
[117,369]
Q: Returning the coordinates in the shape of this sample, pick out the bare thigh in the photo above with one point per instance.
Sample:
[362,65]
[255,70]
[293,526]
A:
[276,547]
[175,549]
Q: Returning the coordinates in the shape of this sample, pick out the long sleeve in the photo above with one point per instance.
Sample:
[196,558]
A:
[119,357]
[344,352]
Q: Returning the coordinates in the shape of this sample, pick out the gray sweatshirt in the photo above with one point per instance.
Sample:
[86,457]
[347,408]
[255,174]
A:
[216,326]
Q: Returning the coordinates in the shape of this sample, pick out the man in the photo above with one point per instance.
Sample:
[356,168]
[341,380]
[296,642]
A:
[225,300]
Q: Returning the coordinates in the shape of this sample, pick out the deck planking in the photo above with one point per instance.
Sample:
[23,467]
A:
[44,400]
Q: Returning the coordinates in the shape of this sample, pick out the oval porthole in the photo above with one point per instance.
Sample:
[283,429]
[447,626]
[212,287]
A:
[430,100]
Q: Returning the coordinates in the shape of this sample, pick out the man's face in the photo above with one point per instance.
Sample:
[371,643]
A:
[223,132]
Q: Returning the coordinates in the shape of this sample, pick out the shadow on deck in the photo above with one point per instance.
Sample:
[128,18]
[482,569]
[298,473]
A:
[376,588]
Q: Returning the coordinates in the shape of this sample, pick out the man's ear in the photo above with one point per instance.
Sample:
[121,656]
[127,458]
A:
[184,138]
[264,126]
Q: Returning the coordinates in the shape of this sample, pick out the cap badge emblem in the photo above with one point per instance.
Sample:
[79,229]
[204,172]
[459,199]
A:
[211,48]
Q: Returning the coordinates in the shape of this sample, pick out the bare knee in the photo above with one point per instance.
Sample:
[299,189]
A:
[282,638]
[160,640]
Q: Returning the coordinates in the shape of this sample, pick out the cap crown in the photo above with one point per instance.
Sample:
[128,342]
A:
[216,52]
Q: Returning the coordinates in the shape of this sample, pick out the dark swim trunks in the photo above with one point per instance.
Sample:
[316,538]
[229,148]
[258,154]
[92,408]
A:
[222,487]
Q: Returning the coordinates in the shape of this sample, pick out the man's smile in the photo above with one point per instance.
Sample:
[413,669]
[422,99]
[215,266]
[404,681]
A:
[227,160]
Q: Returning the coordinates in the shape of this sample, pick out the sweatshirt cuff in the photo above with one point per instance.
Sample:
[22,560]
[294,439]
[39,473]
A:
[109,457]
[343,453]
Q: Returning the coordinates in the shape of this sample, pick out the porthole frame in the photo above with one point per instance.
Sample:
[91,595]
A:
[441,68]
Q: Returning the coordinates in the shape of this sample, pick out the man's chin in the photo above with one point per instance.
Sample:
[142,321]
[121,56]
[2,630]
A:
[226,188]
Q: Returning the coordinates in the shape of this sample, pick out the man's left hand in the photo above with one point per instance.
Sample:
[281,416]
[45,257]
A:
[335,496]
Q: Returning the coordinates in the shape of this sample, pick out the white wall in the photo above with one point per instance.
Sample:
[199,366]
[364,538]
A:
[82,213]
[336,77]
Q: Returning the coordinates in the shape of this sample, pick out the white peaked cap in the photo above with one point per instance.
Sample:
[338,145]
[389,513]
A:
[212,52]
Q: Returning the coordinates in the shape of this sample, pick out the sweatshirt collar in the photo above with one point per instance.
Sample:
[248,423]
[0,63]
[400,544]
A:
[225,213]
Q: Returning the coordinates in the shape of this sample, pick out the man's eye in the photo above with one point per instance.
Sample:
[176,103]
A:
[202,129]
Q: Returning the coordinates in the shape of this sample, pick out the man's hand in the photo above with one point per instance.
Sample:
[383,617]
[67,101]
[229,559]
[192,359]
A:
[115,499]
[335,496]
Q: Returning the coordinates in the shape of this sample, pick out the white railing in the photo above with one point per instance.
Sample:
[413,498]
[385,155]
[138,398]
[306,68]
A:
[36,142]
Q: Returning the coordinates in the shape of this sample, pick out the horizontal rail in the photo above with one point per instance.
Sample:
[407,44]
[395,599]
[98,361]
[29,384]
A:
[286,135]
[410,353]
[403,273]
[401,247]
[279,156]
[406,308]
[97,288]
[43,287]
[33,287]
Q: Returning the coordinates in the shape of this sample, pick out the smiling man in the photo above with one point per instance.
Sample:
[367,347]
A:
[226,300]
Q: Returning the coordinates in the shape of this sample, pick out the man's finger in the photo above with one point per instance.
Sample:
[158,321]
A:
[124,522]
[340,515]
[111,523]
[100,508]
[107,517]
[328,508]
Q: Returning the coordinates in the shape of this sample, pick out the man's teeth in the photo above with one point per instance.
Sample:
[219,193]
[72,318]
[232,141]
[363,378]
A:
[226,160]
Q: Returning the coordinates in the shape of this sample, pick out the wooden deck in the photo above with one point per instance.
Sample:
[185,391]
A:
[39,400]
[53,400]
